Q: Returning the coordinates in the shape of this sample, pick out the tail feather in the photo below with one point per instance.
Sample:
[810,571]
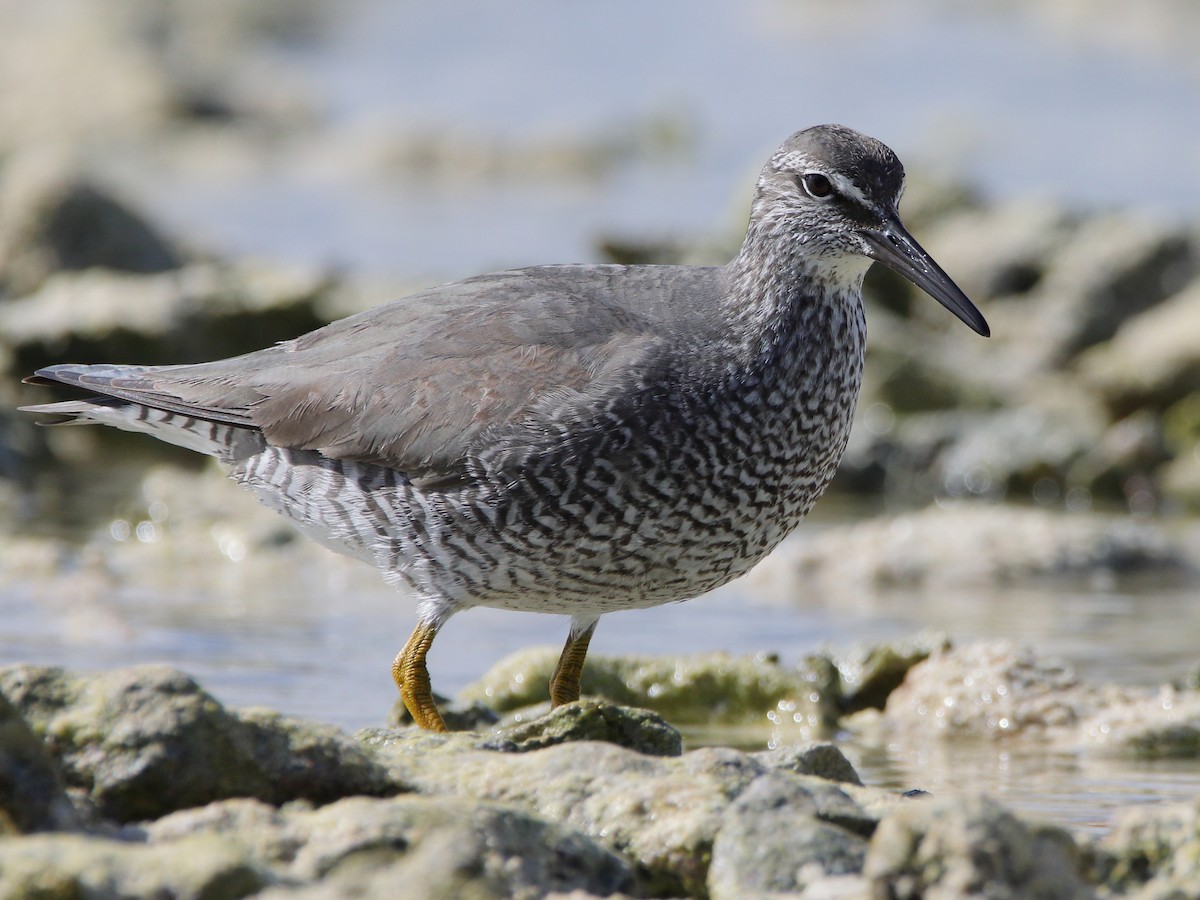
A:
[130,403]
[136,384]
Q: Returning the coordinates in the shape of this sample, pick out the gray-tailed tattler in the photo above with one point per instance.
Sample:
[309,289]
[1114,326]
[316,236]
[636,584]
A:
[571,439]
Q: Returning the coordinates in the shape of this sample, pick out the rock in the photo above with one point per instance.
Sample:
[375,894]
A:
[995,691]
[405,846]
[950,847]
[661,812]
[1153,360]
[308,760]
[1161,724]
[594,720]
[700,689]
[201,311]
[969,452]
[54,217]
[1121,463]
[820,760]
[772,841]
[870,674]
[76,84]
[1112,268]
[458,715]
[147,740]
[1002,249]
[208,867]
[968,544]
[32,796]
[988,689]
[1150,852]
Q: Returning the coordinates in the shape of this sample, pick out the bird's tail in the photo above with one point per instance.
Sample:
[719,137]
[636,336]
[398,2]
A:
[223,440]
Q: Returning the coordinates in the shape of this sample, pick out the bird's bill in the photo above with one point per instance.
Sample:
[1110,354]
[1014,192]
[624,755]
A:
[893,246]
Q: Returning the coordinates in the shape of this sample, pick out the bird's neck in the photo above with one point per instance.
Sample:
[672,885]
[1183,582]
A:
[781,295]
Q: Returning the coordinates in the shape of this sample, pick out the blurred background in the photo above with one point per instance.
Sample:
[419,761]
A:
[186,181]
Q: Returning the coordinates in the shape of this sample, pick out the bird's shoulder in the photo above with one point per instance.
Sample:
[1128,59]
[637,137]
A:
[418,383]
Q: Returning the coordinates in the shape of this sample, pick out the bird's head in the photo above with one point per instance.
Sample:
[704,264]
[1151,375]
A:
[830,195]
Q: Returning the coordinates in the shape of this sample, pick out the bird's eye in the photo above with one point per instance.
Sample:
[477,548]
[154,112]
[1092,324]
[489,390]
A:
[817,185]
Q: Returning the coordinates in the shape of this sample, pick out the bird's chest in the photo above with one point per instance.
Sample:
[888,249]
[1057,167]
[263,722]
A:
[781,427]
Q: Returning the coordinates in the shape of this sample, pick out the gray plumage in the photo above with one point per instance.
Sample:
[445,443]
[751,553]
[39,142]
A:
[571,439]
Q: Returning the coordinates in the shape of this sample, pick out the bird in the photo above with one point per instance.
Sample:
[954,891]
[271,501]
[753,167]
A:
[570,439]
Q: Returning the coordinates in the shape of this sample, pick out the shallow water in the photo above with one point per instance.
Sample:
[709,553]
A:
[1024,100]
[317,640]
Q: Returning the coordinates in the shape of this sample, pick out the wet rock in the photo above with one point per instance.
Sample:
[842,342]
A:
[594,720]
[771,840]
[411,846]
[820,760]
[970,847]
[147,740]
[32,796]
[661,812]
[53,218]
[458,715]
[698,689]
[870,674]
[968,545]
[201,868]
[1152,852]
[996,691]
[988,689]
[1152,725]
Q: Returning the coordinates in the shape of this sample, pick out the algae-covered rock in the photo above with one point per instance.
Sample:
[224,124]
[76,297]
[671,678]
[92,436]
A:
[970,847]
[702,689]
[594,720]
[308,760]
[870,674]
[821,760]
[428,847]
[661,812]
[147,740]
[32,796]
[67,866]
[1159,724]
[771,840]
[1151,852]
[994,690]
[989,689]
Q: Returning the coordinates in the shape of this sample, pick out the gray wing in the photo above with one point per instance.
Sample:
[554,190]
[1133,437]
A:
[417,383]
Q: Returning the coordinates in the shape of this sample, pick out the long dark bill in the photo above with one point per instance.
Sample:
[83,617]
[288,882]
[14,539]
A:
[893,246]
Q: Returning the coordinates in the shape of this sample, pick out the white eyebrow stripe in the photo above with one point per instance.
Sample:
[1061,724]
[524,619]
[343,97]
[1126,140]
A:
[847,188]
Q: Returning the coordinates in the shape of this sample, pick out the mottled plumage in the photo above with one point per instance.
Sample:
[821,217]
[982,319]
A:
[568,439]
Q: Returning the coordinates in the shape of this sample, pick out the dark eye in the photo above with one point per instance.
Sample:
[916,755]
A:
[817,185]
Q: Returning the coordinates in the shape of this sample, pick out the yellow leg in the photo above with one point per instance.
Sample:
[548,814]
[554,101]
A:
[564,684]
[412,678]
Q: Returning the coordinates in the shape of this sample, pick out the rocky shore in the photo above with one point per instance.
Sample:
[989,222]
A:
[137,782]
[1064,450]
